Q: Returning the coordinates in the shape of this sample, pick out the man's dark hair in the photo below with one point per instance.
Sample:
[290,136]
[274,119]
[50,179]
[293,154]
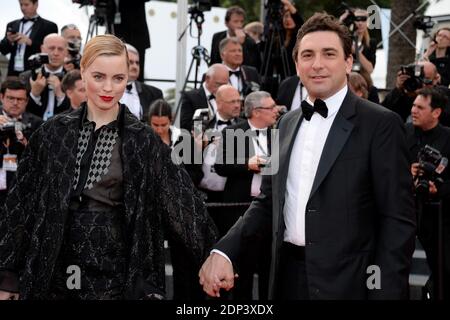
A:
[438,97]
[13,85]
[234,10]
[69,80]
[325,22]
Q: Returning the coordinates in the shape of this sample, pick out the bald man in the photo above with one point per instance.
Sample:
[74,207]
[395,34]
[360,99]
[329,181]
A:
[47,97]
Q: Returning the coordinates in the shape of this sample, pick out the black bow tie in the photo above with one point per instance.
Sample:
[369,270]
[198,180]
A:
[129,87]
[236,73]
[211,97]
[319,106]
[28,19]
[261,131]
[220,122]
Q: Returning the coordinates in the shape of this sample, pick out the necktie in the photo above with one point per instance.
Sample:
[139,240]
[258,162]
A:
[236,73]
[319,106]
[220,122]
[129,87]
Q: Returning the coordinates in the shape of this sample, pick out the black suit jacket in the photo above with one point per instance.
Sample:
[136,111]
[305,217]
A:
[249,75]
[286,91]
[147,94]
[191,101]
[360,210]
[41,28]
[250,50]
[235,166]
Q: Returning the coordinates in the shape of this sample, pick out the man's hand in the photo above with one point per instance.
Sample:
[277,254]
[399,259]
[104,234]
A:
[432,187]
[240,34]
[4,119]
[23,39]
[56,85]
[255,162]
[21,138]
[38,85]
[415,169]
[5,295]
[216,273]
[400,81]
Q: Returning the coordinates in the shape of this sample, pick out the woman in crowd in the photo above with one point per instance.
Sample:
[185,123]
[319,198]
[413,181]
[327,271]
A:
[96,190]
[160,119]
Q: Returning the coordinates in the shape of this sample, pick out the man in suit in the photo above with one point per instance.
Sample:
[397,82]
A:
[244,78]
[13,97]
[340,208]
[234,20]
[203,97]
[425,129]
[72,86]
[46,95]
[24,37]
[251,145]
[130,24]
[138,96]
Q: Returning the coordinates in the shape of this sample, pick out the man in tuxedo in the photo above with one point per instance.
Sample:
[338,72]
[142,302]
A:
[234,20]
[244,78]
[340,208]
[24,37]
[46,96]
[251,145]
[138,96]
[203,97]
[13,97]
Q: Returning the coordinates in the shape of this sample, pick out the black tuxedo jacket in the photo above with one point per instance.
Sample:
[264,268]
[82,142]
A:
[360,210]
[286,91]
[147,94]
[235,166]
[191,101]
[41,28]
[249,74]
[250,50]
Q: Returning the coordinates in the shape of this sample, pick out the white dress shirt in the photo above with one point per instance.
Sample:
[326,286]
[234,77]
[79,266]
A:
[235,81]
[261,149]
[130,98]
[303,163]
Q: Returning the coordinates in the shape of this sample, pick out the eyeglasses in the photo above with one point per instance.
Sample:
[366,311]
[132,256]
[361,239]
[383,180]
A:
[12,99]
[360,18]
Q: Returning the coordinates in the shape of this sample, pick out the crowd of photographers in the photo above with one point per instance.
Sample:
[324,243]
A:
[241,90]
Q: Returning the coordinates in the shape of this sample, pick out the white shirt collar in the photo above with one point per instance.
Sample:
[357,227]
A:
[334,102]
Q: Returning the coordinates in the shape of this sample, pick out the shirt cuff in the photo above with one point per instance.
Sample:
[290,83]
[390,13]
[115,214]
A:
[222,254]
[37,100]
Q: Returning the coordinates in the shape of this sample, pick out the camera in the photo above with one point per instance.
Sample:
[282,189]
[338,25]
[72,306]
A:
[202,117]
[423,23]
[431,165]
[73,47]
[275,9]
[349,21]
[11,29]
[37,62]
[199,6]
[8,130]
[416,77]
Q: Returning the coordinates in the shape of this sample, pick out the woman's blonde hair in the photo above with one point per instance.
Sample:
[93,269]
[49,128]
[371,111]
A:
[102,45]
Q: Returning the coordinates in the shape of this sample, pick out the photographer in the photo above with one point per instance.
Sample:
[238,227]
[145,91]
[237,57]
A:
[439,54]
[426,130]
[24,37]
[13,141]
[234,20]
[407,84]
[72,34]
[47,97]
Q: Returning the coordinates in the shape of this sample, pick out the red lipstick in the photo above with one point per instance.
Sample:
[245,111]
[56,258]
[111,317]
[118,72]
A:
[106,98]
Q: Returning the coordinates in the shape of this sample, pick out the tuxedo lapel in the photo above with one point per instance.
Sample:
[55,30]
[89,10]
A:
[337,137]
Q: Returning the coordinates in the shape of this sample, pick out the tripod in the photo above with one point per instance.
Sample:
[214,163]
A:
[99,18]
[275,66]
[198,52]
